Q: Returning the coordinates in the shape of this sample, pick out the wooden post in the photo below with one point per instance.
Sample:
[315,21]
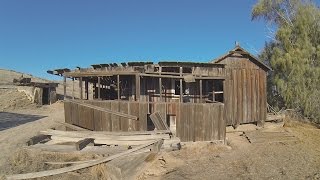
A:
[118,86]
[87,89]
[80,86]
[213,93]
[64,87]
[94,90]
[137,87]
[72,88]
[181,85]
[160,83]
[99,88]
[200,86]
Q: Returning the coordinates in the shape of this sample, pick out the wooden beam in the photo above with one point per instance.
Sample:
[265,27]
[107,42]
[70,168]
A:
[72,88]
[200,86]
[64,87]
[80,86]
[99,88]
[98,73]
[181,77]
[181,85]
[118,86]
[78,166]
[87,89]
[160,83]
[83,143]
[36,139]
[137,87]
[158,121]
[102,133]
[106,110]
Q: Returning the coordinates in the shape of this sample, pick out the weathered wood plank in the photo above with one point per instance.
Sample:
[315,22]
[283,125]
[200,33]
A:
[143,113]
[123,107]
[36,139]
[83,143]
[75,167]
[115,119]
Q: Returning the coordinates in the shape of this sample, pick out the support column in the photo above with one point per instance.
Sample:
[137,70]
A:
[64,87]
[99,87]
[73,88]
[160,84]
[137,87]
[200,86]
[87,89]
[181,85]
[94,90]
[118,86]
[80,86]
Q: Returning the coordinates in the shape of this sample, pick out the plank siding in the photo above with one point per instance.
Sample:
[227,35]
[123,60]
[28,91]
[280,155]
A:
[194,121]
[245,89]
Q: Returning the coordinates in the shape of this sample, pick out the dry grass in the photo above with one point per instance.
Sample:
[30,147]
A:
[32,160]
[100,172]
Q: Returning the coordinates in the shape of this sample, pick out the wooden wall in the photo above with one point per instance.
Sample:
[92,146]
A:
[194,122]
[245,91]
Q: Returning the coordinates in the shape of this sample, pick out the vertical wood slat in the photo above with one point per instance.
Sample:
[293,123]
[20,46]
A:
[115,119]
[254,96]
[143,112]
[133,109]
[244,95]
[249,96]
[258,96]
[240,107]
[106,117]
[68,112]
[123,107]
[97,118]
[235,96]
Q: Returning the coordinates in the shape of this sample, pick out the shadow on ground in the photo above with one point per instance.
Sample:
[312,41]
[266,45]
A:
[9,120]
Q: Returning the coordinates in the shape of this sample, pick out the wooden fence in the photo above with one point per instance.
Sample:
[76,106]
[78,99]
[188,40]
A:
[194,122]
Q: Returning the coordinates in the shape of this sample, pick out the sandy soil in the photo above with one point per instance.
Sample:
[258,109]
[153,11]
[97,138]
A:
[243,160]
[14,138]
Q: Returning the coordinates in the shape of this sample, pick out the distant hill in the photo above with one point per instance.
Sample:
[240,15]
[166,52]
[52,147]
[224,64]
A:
[7,76]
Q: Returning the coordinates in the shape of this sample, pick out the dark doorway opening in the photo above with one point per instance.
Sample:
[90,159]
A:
[45,96]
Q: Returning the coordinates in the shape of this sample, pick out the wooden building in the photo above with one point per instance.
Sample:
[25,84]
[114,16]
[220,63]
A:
[233,87]
[245,87]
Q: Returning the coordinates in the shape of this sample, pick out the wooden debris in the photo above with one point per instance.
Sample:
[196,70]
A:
[73,127]
[158,121]
[54,147]
[79,162]
[78,166]
[37,139]
[96,135]
[83,143]
[269,137]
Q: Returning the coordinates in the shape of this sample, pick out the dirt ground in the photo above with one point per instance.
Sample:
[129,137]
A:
[239,159]
[243,160]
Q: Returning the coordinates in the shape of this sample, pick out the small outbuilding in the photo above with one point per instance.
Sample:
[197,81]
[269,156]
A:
[245,87]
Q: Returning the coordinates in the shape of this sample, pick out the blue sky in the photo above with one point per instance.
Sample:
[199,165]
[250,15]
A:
[37,35]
